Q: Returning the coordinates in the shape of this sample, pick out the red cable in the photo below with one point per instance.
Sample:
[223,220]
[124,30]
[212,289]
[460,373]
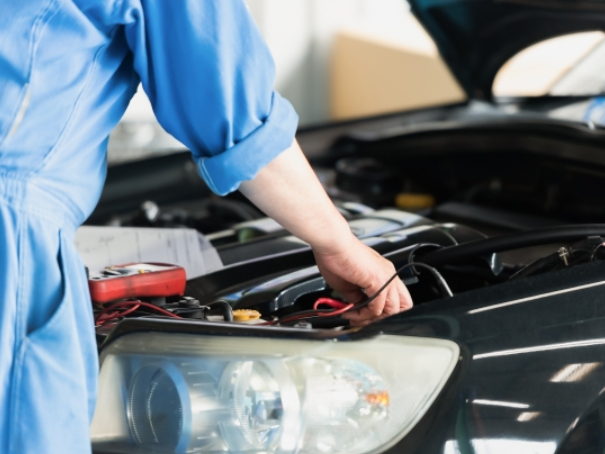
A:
[292,318]
[153,307]
[106,315]
[337,312]
[341,307]
[138,304]
[117,314]
[329,302]
[105,312]
[299,317]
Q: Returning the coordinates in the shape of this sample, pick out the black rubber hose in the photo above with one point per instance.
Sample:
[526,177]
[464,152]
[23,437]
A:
[538,237]
[225,308]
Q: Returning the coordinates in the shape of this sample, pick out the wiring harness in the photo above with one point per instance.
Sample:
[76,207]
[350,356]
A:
[121,309]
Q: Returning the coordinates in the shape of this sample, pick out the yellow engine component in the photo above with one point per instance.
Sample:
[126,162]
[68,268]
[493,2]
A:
[414,202]
[243,315]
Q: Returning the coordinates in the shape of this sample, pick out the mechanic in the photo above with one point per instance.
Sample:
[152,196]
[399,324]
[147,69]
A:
[68,69]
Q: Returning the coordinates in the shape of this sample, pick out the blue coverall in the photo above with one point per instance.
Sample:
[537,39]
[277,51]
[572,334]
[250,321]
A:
[67,71]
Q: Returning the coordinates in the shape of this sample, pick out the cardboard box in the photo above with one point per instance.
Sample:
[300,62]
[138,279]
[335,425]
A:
[372,77]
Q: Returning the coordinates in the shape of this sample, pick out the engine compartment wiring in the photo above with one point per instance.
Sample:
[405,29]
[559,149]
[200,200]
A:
[340,307]
[124,308]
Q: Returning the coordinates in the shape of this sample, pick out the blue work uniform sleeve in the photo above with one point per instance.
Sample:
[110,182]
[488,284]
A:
[209,76]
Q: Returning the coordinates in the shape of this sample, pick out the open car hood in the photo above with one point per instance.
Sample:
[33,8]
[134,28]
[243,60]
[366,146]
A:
[476,37]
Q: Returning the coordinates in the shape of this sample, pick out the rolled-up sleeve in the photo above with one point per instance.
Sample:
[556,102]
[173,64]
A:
[210,76]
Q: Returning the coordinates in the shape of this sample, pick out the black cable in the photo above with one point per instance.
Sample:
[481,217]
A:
[380,290]
[421,246]
[441,283]
[593,256]
[512,241]
[295,315]
[225,308]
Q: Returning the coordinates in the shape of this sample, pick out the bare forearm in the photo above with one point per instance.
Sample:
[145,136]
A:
[288,191]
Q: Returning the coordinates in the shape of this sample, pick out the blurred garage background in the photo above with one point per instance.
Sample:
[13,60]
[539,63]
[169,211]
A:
[345,59]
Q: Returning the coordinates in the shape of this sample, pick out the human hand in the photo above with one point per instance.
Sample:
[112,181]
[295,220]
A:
[350,267]
[288,190]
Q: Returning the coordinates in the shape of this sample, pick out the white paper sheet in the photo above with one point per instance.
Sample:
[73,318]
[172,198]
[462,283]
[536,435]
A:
[105,246]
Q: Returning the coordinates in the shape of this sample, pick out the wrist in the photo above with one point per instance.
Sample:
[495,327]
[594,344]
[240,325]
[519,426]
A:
[339,240]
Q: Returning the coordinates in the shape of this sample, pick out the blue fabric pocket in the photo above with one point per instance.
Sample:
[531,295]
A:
[53,377]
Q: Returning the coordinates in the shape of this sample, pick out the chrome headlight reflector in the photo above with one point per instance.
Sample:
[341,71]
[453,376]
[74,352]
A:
[179,393]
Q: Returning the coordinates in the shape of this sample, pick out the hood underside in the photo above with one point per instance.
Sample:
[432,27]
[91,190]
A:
[476,37]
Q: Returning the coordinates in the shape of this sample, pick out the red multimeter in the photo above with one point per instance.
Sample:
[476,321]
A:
[137,280]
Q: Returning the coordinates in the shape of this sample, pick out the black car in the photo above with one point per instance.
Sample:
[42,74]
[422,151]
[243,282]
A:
[504,351]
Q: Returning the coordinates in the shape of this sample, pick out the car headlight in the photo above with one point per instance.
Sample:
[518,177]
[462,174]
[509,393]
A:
[179,393]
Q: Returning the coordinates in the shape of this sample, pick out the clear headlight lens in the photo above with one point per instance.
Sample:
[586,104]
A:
[178,393]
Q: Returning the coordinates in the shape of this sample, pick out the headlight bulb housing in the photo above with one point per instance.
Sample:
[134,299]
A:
[178,393]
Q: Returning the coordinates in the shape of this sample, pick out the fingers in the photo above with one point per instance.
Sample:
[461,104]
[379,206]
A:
[405,299]
[360,267]
[358,316]
[360,320]
[394,299]
[353,296]
[387,298]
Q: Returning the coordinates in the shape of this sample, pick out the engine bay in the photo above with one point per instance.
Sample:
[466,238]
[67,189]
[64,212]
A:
[451,220]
